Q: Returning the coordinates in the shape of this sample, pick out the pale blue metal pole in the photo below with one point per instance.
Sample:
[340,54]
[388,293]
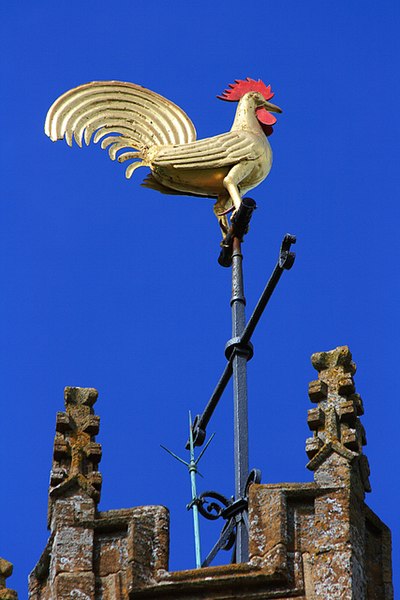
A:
[193,471]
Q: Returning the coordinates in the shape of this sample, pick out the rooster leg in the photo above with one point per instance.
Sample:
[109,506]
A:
[220,208]
[232,180]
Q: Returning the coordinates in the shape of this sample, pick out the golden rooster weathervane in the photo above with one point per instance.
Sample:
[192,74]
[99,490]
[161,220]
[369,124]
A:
[154,132]
[142,127]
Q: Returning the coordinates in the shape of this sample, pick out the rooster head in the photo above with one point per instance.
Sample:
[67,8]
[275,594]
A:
[237,90]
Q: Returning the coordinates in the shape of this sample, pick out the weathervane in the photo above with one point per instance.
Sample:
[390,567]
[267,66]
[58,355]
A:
[153,132]
[142,127]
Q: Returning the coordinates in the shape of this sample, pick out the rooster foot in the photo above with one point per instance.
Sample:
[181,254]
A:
[223,224]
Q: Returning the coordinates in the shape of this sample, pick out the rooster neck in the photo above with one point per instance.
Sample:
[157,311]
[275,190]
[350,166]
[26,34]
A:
[245,118]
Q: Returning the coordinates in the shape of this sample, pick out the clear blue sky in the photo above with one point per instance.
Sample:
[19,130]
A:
[107,284]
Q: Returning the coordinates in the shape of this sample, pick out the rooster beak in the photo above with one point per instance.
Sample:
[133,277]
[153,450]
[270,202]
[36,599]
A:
[272,107]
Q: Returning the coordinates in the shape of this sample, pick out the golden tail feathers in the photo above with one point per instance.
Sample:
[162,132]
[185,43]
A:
[124,116]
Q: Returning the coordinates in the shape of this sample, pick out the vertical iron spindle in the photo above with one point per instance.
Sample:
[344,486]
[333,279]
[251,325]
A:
[239,366]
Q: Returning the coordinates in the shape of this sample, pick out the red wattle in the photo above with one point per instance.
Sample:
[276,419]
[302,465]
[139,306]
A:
[265,117]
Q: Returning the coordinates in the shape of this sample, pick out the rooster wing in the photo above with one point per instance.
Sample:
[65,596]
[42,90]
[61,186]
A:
[222,150]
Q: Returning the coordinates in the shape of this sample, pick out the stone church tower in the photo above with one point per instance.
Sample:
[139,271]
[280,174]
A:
[310,541]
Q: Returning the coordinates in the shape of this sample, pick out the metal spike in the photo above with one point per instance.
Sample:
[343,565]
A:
[174,455]
[204,449]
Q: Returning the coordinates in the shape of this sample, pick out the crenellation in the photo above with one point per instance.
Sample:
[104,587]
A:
[310,541]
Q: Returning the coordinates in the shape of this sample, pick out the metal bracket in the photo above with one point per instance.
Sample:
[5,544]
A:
[233,511]
[238,229]
[236,345]
[285,262]
[287,258]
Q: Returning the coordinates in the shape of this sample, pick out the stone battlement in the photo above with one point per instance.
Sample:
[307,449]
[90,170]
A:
[311,541]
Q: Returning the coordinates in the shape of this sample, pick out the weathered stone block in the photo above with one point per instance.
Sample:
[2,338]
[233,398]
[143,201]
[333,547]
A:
[148,544]
[315,418]
[72,550]
[268,527]
[63,422]
[96,479]
[80,586]
[332,520]
[111,553]
[78,395]
[7,594]
[345,385]
[57,475]
[358,403]
[62,448]
[317,390]
[332,575]
[313,445]
[72,509]
[350,439]
[6,568]
[111,587]
[348,412]
[93,452]
[339,357]
[91,424]
[334,469]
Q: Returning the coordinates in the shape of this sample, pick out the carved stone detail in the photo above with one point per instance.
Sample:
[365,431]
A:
[76,454]
[335,422]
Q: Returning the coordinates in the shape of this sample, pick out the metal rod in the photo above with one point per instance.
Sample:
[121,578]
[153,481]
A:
[261,304]
[240,402]
[193,471]
[219,544]
[201,421]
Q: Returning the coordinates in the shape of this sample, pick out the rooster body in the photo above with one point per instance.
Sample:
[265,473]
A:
[154,132]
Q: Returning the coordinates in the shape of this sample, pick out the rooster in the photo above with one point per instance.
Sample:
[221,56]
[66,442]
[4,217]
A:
[138,125]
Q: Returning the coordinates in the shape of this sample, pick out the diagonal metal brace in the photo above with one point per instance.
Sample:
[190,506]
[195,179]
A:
[285,262]
[225,541]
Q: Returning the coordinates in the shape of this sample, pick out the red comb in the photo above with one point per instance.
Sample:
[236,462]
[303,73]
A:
[241,87]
